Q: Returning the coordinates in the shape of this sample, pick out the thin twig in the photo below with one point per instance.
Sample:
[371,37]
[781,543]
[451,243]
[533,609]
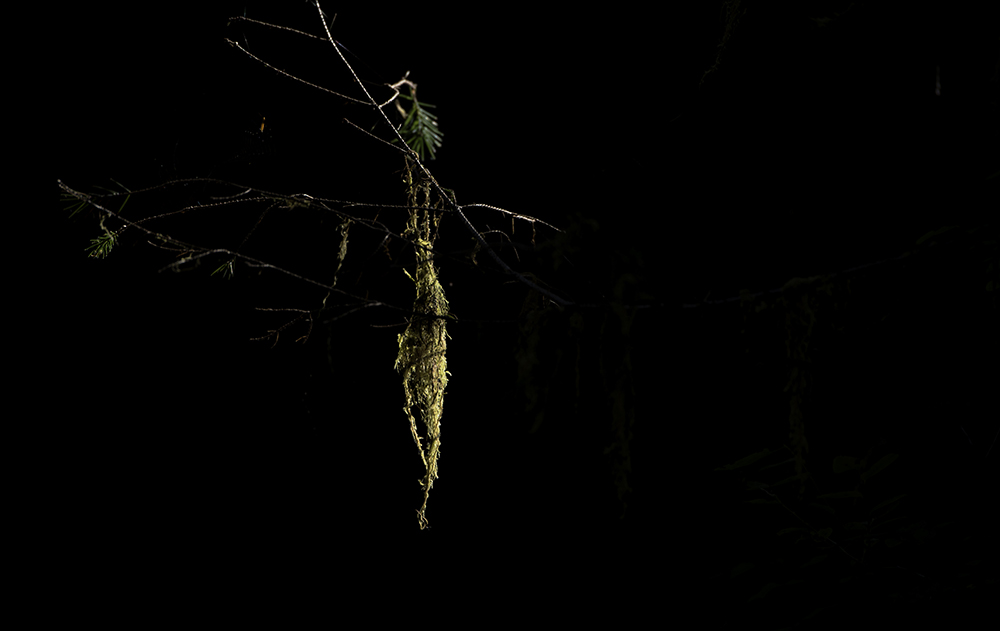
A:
[562,302]
[199,252]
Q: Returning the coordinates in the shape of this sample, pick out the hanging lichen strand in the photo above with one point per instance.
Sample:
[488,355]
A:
[422,345]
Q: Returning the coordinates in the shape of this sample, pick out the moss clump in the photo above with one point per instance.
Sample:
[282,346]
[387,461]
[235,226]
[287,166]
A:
[422,346]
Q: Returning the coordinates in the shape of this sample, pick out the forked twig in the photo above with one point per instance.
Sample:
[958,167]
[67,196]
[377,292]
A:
[454,207]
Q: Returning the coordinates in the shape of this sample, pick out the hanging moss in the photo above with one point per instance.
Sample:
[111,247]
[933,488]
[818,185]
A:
[422,356]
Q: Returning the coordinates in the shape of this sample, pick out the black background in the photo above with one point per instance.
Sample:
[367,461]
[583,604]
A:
[808,151]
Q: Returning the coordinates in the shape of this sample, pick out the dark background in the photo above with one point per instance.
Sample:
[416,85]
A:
[809,150]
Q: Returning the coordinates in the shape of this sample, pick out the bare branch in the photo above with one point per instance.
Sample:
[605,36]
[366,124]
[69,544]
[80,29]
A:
[291,76]
[527,218]
[199,252]
[562,302]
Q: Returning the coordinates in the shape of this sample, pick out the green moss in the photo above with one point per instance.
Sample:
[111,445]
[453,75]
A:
[422,357]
